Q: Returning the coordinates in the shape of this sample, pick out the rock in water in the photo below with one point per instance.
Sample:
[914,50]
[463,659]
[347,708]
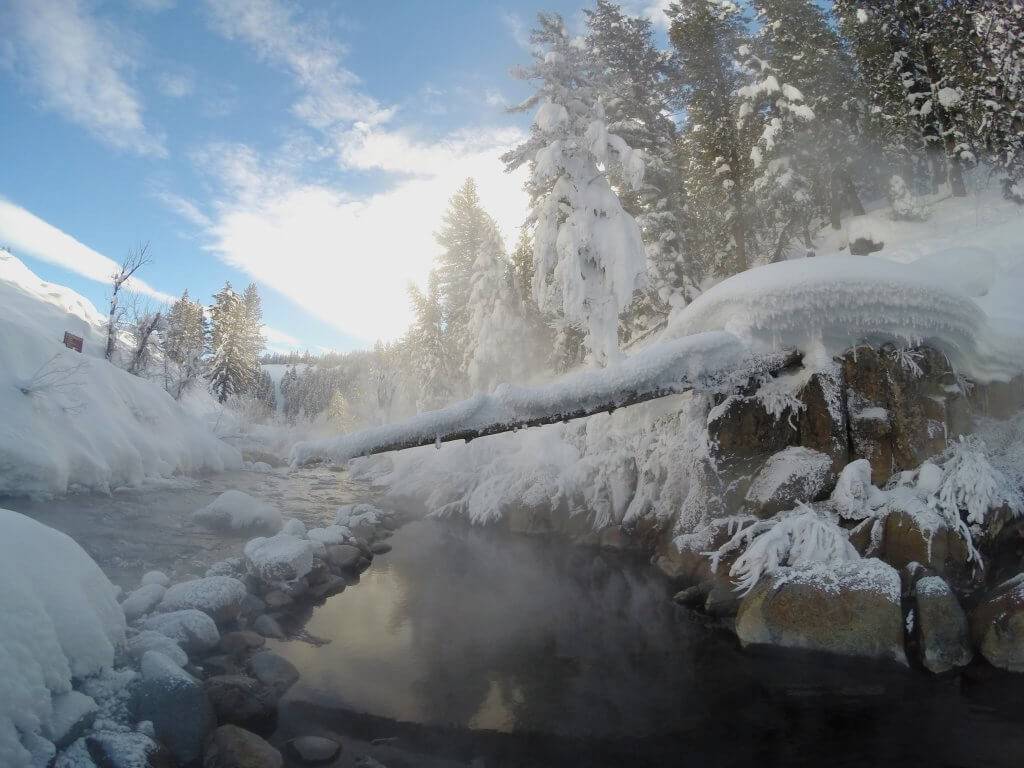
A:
[314,750]
[274,671]
[217,596]
[176,704]
[243,701]
[851,609]
[142,601]
[148,640]
[232,747]
[267,626]
[240,642]
[942,626]
[118,749]
[997,627]
[193,630]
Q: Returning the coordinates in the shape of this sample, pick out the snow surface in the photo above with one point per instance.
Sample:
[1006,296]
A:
[237,510]
[211,594]
[60,621]
[280,558]
[74,421]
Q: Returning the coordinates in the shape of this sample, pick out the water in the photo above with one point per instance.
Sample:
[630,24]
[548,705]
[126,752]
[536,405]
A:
[467,644]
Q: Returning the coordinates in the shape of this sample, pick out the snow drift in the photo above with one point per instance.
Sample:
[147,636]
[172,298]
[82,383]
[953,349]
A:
[73,421]
[60,621]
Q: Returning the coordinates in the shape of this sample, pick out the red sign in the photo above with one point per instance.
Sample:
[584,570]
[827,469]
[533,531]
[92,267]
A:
[72,342]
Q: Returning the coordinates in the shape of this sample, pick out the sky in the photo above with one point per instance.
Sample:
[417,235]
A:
[308,147]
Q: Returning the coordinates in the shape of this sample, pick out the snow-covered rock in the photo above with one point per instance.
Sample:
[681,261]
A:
[149,640]
[331,534]
[792,475]
[73,714]
[279,558]
[142,601]
[193,630]
[156,577]
[294,527]
[941,626]
[75,420]
[218,596]
[997,626]
[236,510]
[176,704]
[60,620]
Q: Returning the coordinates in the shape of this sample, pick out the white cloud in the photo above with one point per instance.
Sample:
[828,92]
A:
[517,28]
[176,85]
[25,232]
[330,91]
[349,260]
[78,64]
[184,207]
[279,341]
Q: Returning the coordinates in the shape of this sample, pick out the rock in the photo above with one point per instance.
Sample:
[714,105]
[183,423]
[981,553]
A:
[148,640]
[220,664]
[156,577]
[330,586]
[822,424]
[275,598]
[252,605]
[343,556]
[267,626]
[722,599]
[232,747]
[941,626]
[73,715]
[691,597]
[851,609]
[233,566]
[997,627]
[242,700]
[279,558]
[294,527]
[274,671]
[331,534]
[217,596]
[863,246]
[176,704]
[142,601]
[193,630]
[939,549]
[380,548]
[314,750]
[742,428]
[241,642]
[117,749]
[792,475]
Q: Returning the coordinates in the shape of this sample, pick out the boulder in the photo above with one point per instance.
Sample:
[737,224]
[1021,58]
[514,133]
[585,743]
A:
[142,601]
[274,671]
[267,626]
[193,630]
[997,627]
[217,596]
[73,714]
[691,597]
[851,609]
[148,640]
[241,642]
[793,475]
[242,700]
[279,558]
[742,428]
[941,626]
[380,548]
[314,750]
[823,423]
[926,539]
[342,556]
[176,704]
[232,747]
[118,749]
[156,577]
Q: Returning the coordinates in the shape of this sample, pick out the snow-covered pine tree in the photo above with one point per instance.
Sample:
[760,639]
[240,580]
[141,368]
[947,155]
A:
[263,392]
[637,102]
[384,376]
[498,332]
[230,370]
[433,358]
[705,35]
[252,335]
[773,113]
[589,253]
[807,53]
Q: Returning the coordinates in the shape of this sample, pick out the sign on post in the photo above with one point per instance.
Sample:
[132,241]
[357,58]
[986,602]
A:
[72,342]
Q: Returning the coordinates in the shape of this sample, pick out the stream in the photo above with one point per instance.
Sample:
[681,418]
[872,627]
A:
[467,646]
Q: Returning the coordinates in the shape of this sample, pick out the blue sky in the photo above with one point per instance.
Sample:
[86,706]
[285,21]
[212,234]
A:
[309,147]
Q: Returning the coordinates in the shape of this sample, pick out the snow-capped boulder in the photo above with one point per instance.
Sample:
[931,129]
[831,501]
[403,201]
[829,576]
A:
[362,520]
[217,596]
[122,749]
[148,640]
[279,558]
[331,534]
[192,629]
[941,626]
[142,601]
[918,535]
[234,510]
[294,527]
[156,577]
[822,423]
[59,621]
[851,609]
[73,714]
[997,626]
[176,704]
[792,475]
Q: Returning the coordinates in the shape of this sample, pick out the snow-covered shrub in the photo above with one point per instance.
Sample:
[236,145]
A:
[803,537]
[972,488]
[905,205]
[60,621]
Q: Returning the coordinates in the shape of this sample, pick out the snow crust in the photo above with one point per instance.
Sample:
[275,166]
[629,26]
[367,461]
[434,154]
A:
[74,421]
[60,620]
[237,510]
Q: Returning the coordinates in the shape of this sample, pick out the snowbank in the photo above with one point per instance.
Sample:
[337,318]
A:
[74,421]
[60,621]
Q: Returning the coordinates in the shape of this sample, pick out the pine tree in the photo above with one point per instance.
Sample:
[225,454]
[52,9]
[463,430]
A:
[434,360]
[252,336]
[589,253]
[705,36]
[230,368]
[186,342]
[637,100]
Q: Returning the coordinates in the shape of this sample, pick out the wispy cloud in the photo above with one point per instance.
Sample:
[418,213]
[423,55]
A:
[26,233]
[330,92]
[78,65]
[517,28]
[176,85]
[184,207]
[279,341]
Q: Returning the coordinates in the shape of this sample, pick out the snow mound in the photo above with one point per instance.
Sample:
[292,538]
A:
[279,558]
[60,621]
[839,301]
[236,510]
[74,421]
[331,534]
[192,629]
[218,596]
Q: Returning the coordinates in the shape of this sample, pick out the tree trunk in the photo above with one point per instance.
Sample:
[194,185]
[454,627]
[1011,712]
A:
[111,326]
[835,206]
[140,348]
[852,197]
[739,222]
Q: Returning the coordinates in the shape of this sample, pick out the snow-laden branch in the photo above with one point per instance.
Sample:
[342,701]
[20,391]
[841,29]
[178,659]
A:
[708,362]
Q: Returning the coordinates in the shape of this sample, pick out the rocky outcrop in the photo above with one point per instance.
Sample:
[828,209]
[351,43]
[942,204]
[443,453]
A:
[997,627]
[941,626]
[939,548]
[793,475]
[851,609]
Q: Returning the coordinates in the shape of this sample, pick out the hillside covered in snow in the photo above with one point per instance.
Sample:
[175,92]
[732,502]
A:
[74,421]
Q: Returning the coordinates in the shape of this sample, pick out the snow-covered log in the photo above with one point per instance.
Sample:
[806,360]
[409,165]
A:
[708,362]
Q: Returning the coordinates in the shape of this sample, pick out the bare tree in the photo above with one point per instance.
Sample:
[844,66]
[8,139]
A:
[137,258]
[58,379]
[145,324]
